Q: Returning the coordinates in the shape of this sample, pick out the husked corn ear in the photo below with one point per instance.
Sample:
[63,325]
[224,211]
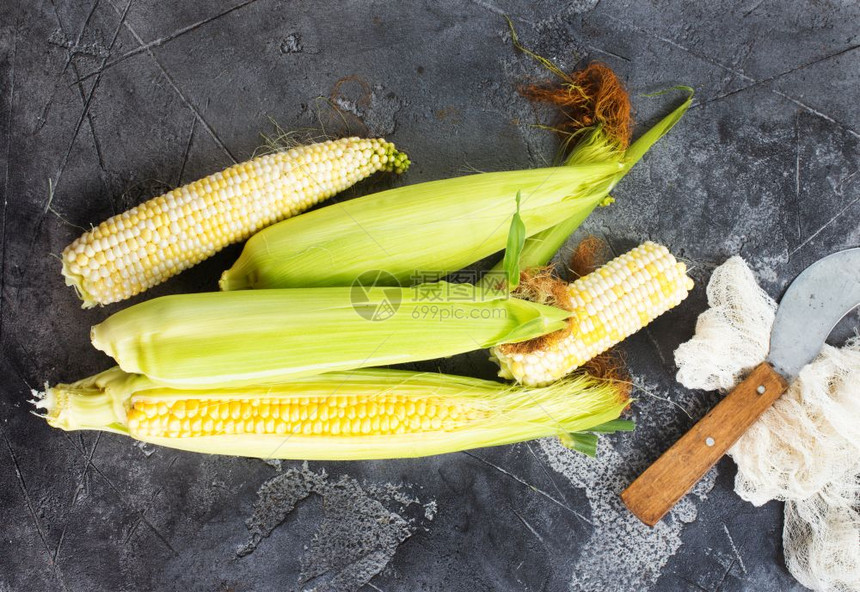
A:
[609,305]
[362,414]
[144,246]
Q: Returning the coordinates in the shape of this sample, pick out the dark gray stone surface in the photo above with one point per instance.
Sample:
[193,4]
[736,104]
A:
[112,101]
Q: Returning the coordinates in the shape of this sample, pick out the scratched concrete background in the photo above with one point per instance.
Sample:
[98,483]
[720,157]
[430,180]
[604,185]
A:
[112,101]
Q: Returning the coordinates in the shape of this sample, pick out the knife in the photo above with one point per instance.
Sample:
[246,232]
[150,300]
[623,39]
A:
[814,303]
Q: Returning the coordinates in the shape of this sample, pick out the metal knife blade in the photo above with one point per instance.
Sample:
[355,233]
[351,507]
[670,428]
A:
[814,303]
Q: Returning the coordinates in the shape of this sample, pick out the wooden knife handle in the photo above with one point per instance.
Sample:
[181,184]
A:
[666,481]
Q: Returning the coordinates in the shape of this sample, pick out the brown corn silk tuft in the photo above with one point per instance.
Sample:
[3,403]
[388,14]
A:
[587,98]
[611,366]
[588,255]
[597,102]
[540,284]
[591,97]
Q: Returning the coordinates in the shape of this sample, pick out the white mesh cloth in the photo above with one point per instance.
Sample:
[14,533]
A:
[805,450]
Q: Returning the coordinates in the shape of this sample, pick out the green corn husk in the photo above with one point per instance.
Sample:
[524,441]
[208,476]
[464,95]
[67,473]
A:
[246,337]
[426,230]
[303,418]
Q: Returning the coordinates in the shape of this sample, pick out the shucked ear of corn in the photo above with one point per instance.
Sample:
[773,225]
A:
[248,337]
[149,243]
[607,306]
[363,414]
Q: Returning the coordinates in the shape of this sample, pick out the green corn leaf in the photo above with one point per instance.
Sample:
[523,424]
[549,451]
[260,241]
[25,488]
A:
[584,442]
[616,425]
[516,240]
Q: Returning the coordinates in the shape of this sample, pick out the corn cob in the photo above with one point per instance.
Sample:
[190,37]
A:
[146,245]
[608,305]
[248,337]
[363,414]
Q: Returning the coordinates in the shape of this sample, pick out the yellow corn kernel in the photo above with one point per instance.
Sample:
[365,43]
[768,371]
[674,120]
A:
[364,415]
[178,409]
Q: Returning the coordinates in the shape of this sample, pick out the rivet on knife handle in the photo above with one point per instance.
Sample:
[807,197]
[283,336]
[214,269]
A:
[666,481]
